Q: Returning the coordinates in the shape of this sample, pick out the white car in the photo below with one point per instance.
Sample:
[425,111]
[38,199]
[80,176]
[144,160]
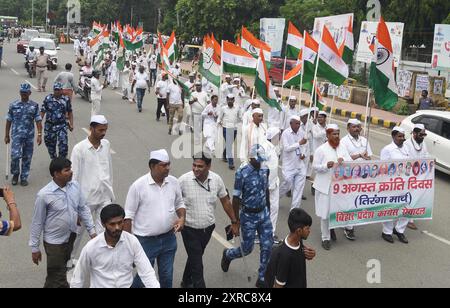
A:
[437,124]
[49,49]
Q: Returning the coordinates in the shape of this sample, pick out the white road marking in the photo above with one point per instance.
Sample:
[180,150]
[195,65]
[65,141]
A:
[221,240]
[31,84]
[14,71]
[4,62]
[443,240]
[88,133]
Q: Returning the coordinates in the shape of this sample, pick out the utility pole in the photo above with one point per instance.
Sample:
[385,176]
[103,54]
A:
[32,13]
[46,17]
[131,22]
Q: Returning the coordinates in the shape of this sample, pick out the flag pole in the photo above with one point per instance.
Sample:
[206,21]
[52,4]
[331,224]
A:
[368,128]
[221,72]
[367,110]
[331,110]
[7,162]
[313,98]
[301,77]
[284,74]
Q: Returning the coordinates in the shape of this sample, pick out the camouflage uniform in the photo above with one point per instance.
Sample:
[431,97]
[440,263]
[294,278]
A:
[22,117]
[251,186]
[55,128]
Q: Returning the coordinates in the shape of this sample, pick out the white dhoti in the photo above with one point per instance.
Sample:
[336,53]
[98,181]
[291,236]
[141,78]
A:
[322,204]
[294,181]
[210,134]
[274,195]
[96,104]
[197,124]
[125,84]
[400,226]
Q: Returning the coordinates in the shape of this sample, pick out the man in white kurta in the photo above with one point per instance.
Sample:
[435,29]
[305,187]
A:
[113,75]
[225,89]
[327,156]
[293,155]
[124,80]
[417,149]
[274,115]
[247,116]
[190,84]
[198,103]
[359,149]
[210,115]
[272,155]
[288,113]
[254,133]
[395,151]
[92,169]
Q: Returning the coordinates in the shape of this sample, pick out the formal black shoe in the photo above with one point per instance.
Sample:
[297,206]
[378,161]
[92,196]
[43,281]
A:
[231,167]
[401,237]
[15,180]
[24,183]
[350,234]
[388,238]
[170,132]
[303,198]
[180,133]
[225,263]
[260,284]
[326,245]
[276,240]
[313,191]
[333,235]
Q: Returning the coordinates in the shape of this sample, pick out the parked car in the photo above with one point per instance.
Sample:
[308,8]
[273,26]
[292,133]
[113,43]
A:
[189,52]
[25,39]
[276,69]
[437,124]
[49,48]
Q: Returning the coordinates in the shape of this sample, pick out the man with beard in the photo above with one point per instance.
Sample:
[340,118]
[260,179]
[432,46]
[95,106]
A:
[326,158]
[417,149]
[108,260]
[395,151]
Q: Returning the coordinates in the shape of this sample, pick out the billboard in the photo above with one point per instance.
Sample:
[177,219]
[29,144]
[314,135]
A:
[337,25]
[369,30]
[272,33]
[441,47]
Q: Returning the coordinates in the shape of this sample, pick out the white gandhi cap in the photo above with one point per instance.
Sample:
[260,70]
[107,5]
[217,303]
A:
[332,126]
[354,122]
[257,110]
[398,129]
[419,126]
[295,118]
[160,155]
[304,112]
[99,119]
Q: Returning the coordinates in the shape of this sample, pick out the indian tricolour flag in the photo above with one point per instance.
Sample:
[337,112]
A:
[294,42]
[97,28]
[253,46]
[331,65]
[137,41]
[309,56]
[101,40]
[209,65]
[293,78]
[382,74]
[263,85]
[237,60]
[348,46]
[171,47]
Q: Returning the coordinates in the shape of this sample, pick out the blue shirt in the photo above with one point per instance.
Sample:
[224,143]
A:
[55,213]
[55,109]
[22,117]
[250,185]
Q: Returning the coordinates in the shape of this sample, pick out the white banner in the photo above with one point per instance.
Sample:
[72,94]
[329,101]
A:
[337,25]
[441,47]
[369,30]
[377,191]
[272,33]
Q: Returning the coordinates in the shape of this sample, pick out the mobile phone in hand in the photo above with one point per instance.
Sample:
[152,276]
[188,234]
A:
[228,233]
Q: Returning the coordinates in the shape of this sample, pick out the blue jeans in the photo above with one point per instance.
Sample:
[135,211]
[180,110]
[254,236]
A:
[229,135]
[140,93]
[161,248]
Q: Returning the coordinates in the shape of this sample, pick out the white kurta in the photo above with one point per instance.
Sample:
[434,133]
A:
[356,146]
[415,150]
[322,183]
[272,164]
[286,115]
[251,135]
[197,108]
[210,126]
[274,117]
[319,134]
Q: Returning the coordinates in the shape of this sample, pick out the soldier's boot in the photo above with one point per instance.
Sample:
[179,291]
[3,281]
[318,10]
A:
[15,180]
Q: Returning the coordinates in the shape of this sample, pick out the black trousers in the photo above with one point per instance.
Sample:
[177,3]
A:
[195,242]
[57,257]
[162,102]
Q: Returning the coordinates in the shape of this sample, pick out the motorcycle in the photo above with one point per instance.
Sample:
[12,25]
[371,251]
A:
[84,87]
[31,68]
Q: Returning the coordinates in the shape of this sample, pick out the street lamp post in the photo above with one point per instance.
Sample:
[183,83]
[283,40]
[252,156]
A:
[32,13]
[46,17]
